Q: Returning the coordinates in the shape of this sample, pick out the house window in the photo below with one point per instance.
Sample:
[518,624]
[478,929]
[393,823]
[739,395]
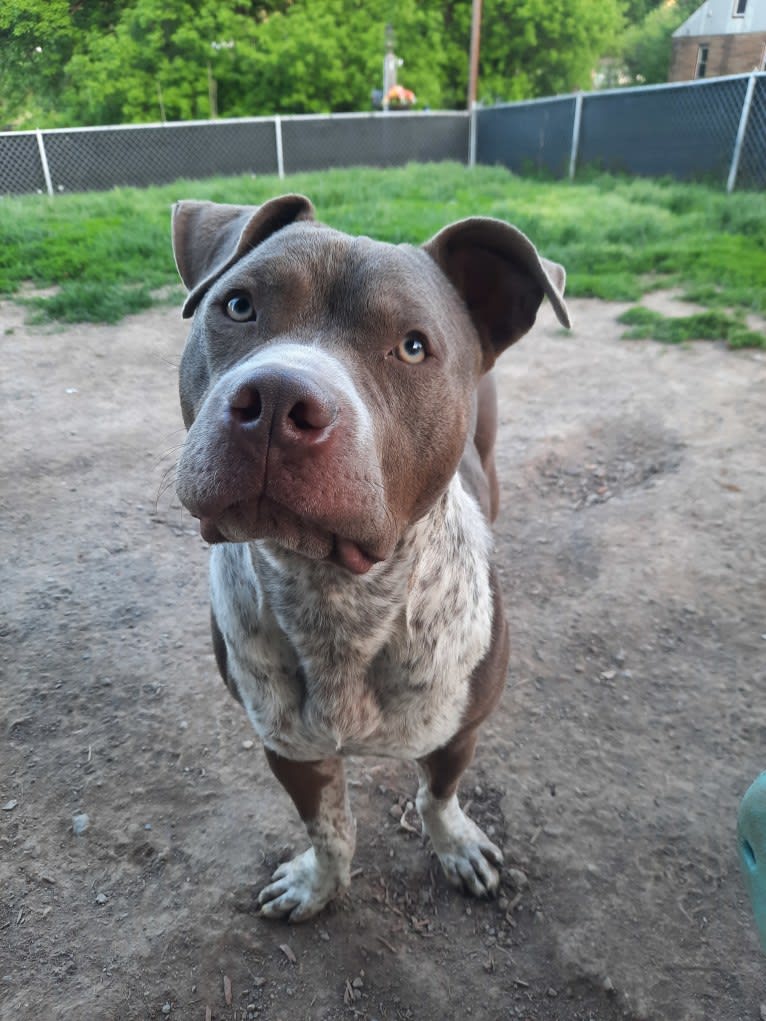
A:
[740,6]
[701,68]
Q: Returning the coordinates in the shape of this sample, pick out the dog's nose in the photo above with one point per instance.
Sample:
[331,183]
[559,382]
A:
[290,408]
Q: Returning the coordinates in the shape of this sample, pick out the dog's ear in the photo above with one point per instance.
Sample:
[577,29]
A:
[209,237]
[501,278]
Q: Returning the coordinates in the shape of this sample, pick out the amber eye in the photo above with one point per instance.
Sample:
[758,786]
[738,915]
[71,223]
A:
[412,349]
[240,308]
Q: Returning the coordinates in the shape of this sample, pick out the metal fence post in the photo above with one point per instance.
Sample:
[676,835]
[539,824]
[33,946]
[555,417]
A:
[280,151]
[740,139]
[575,135]
[472,134]
[44,161]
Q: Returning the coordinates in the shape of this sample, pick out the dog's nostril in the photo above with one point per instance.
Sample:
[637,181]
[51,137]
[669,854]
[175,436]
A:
[300,416]
[246,404]
[309,414]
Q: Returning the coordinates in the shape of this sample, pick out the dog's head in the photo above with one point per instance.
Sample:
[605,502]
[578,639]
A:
[328,380]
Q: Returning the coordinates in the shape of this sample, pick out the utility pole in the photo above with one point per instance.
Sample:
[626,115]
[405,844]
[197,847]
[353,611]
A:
[473,72]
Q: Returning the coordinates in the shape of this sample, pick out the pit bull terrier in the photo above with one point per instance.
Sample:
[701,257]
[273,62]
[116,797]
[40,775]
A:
[341,422]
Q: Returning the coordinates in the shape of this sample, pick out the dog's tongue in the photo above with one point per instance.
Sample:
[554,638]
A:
[352,557]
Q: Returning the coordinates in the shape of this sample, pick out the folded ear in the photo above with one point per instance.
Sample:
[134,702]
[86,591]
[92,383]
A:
[209,237]
[501,277]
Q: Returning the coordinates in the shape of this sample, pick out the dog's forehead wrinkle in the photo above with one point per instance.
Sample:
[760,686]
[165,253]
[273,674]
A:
[349,278]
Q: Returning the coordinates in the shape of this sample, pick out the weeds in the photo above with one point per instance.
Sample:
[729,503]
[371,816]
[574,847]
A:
[647,324]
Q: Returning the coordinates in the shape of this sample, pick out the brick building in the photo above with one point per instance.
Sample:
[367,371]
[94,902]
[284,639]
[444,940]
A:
[721,37]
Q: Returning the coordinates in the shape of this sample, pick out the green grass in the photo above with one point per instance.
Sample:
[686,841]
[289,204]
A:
[108,253]
[712,325]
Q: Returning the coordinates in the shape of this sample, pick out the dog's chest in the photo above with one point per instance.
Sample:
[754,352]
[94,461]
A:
[326,663]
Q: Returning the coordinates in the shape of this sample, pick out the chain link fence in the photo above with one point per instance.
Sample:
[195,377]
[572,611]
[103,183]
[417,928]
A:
[752,165]
[686,132]
[380,140]
[530,136]
[712,130]
[89,159]
[95,159]
[21,166]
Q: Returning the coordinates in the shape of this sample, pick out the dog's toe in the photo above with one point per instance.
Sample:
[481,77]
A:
[469,858]
[298,889]
[470,870]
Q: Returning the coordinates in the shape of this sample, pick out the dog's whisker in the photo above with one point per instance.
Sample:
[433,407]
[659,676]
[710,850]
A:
[170,452]
[166,484]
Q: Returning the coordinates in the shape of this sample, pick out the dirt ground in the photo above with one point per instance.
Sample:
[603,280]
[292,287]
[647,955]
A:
[631,545]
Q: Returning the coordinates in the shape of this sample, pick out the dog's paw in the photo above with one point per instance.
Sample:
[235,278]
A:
[469,858]
[299,889]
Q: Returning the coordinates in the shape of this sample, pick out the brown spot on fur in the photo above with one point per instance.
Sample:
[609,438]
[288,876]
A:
[305,781]
[445,766]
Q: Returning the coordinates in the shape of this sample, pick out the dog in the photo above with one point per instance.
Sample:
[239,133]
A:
[341,417]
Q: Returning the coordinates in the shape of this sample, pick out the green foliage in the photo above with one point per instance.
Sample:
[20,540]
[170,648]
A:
[109,252]
[149,60]
[647,324]
[37,39]
[637,10]
[544,47]
[647,45]
[329,56]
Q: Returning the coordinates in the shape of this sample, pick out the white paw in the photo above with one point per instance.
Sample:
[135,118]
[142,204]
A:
[469,858]
[300,888]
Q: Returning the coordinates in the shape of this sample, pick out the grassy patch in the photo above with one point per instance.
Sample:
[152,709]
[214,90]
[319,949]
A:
[107,252]
[646,324]
[89,302]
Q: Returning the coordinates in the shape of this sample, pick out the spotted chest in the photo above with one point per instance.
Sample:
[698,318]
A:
[330,663]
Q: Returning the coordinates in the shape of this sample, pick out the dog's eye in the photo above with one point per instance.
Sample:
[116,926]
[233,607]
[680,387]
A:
[412,349]
[240,308]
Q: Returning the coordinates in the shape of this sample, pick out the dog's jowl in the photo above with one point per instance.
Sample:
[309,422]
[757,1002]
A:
[341,423]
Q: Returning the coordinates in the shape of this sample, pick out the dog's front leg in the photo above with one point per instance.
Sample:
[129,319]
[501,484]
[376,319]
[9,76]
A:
[301,887]
[469,858]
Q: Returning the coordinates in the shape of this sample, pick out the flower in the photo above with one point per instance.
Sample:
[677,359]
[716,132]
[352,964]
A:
[399,96]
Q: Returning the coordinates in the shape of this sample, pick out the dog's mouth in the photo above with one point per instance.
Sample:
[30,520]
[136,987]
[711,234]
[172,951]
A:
[235,524]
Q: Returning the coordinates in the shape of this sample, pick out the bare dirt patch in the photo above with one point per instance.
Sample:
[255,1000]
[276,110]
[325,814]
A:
[634,569]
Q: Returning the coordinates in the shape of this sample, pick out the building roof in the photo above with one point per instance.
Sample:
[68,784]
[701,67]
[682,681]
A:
[716,17]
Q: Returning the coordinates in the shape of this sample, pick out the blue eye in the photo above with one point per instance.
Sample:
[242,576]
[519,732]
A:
[240,308]
[412,349]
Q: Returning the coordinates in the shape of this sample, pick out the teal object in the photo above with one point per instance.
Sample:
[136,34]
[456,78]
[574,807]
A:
[751,844]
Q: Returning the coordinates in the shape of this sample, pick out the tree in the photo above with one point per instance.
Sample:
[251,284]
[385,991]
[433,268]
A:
[329,56]
[70,62]
[159,62]
[37,39]
[544,47]
[637,10]
[647,47]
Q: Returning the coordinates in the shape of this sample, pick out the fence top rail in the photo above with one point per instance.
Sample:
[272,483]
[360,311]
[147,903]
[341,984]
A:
[358,115]
[691,83]
[371,114]
[624,90]
[529,102]
[136,127]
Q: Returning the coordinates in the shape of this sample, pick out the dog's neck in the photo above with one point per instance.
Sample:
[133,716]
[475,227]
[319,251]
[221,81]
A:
[356,604]
[344,628]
